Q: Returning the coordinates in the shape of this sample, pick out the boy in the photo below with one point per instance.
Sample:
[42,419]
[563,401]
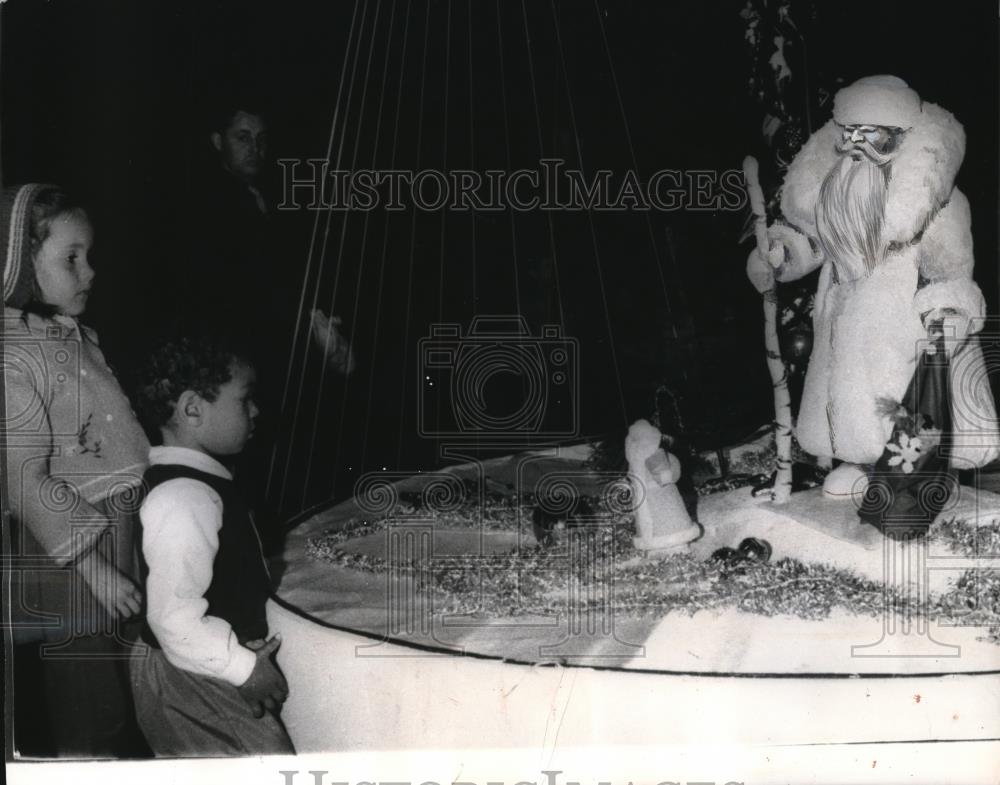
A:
[208,685]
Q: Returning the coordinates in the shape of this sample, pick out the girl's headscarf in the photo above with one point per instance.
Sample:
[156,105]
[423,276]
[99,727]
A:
[16,203]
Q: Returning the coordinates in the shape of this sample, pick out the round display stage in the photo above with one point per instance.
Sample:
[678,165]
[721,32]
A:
[441,609]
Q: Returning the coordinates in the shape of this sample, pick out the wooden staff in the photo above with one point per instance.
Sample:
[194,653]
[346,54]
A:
[779,374]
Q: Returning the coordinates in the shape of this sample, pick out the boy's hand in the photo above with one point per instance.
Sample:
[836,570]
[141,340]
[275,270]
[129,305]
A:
[114,590]
[266,689]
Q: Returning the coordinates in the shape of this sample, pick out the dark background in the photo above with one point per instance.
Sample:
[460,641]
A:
[110,100]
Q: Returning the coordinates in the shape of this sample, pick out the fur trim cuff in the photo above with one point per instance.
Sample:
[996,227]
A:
[961,294]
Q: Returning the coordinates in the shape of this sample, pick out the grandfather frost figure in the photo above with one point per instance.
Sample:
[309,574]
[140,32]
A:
[871,199]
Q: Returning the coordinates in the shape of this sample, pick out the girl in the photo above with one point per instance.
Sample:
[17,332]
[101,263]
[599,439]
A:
[74,456]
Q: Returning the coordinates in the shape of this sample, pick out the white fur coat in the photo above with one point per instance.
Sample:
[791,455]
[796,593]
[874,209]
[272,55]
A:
[868,331]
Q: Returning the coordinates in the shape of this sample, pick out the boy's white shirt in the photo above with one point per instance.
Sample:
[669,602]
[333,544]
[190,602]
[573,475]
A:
[181,519]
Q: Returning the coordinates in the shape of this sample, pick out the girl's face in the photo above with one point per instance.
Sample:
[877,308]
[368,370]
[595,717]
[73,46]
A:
[62,269]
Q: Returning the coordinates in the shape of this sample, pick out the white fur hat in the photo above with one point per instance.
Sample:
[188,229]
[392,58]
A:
[877,100]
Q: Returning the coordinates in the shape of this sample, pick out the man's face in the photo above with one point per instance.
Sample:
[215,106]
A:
[877,142]
[243,146]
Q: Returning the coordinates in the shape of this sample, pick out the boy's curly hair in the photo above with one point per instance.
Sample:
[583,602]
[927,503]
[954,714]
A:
[201,364]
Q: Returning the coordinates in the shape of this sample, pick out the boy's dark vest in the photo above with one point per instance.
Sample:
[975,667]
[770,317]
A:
[240,583]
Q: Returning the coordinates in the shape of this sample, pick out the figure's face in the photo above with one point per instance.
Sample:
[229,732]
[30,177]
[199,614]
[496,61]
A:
[243,146]
[62,268]
[877,142]
[228,421]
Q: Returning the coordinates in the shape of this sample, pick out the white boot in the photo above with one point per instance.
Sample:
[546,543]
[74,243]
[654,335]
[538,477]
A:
[848,481]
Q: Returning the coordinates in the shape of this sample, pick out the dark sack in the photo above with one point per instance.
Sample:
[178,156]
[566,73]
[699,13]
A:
[912,481]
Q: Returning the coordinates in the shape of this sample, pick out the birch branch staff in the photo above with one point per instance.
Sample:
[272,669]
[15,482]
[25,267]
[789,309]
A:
[762,277]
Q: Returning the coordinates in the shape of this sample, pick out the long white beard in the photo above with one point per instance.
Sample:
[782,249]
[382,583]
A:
[850,215]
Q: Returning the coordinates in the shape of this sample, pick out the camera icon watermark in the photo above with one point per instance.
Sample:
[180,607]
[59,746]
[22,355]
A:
[41,377]
[498,382]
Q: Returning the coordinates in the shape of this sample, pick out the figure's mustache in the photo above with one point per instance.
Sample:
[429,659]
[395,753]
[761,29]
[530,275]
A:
[864,146]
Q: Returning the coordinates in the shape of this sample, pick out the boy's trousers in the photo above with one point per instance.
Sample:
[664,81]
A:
[183,714]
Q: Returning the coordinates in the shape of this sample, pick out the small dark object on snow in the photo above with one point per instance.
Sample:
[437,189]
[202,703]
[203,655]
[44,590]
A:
[754,549]
[547,523]
[731,561]
[414,499]
[804,477]
[726,555]
[902,532]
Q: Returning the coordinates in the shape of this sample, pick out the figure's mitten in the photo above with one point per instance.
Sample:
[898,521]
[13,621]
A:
[760,273]
[664,467]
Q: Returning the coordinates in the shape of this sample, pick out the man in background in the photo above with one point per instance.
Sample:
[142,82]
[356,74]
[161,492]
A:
[251,260]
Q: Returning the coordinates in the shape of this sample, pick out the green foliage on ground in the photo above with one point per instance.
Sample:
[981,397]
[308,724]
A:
[594,566]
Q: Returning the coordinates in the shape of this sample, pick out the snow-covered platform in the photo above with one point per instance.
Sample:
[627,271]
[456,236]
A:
[349,691]
[363,675]
[812,528]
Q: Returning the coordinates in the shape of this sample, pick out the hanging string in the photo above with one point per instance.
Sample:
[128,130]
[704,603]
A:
[413,234]
[385,235]
[590,220]
[541,152]
[635,168]
[472,165]
[354,43]
[506,143]
[308,270]
[444,167]
[322,260]
[348,382]
[340,257]
[472,159]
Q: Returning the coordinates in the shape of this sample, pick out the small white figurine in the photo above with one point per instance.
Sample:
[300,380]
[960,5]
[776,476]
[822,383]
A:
[662,522]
